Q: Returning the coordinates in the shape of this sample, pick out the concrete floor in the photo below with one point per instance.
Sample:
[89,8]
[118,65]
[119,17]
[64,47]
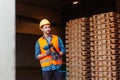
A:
[28,74]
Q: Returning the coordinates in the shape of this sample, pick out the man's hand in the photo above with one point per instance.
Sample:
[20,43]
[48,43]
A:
[61,53]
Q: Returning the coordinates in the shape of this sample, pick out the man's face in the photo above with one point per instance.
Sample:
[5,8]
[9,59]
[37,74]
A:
[46,29]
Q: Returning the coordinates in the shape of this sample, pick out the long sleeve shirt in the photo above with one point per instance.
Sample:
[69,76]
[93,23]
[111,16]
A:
[37,52]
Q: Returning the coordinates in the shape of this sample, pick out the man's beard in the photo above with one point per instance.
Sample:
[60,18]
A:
[48,32]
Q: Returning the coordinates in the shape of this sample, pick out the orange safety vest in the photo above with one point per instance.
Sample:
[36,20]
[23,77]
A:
[47,60]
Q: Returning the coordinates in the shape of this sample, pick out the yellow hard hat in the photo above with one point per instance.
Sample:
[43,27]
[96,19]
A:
[44,22]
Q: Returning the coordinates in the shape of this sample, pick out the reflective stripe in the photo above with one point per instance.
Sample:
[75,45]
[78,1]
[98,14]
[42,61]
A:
[47,60]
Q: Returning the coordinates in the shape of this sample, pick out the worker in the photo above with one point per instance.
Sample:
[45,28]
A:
[48,50]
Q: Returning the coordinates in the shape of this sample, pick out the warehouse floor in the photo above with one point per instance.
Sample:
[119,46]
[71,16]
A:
[28,74]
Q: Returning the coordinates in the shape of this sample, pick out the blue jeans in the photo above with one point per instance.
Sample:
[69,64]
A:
[52,75]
